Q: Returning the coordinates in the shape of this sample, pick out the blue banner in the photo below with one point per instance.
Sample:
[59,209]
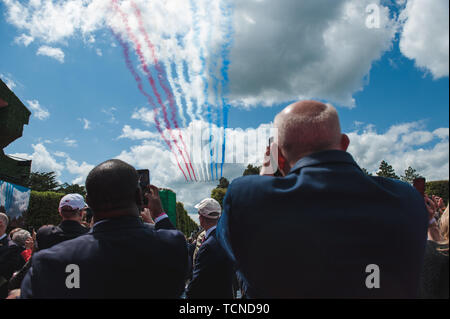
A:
[14,198]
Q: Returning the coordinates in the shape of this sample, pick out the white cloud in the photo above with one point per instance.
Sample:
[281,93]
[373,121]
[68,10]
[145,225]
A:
[38,111]
[42,160]
[425,35]
[111,115]
[81,170]
[137,134]
[70,142]
[401,146]
[145,115]
[8,81]
[282,50]
[24,39]
[55,53]
[99,52]
[86,123]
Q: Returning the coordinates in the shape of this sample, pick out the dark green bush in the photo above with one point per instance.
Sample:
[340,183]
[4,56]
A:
[42,210]
[438,188]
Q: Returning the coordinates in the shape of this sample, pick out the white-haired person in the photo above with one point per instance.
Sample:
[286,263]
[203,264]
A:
[11,259]
[23,239]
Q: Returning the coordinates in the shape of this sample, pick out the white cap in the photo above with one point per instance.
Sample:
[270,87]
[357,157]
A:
[210,208]
[75,201]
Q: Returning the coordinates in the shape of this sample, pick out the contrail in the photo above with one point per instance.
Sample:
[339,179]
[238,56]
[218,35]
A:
[138,80]
[227,11]
[150,77]
[166,90]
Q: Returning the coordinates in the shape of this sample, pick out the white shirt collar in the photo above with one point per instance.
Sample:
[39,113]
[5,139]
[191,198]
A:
[209,231]
[2,236]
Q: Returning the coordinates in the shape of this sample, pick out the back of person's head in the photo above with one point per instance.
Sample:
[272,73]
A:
[20,237]
[112,186]
[308,127]
[71,205]
[209,211]
[443,227]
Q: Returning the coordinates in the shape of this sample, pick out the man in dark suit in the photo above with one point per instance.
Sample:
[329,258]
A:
[10,258]
[121,257]
[71,211]
[213,270]
[325,229]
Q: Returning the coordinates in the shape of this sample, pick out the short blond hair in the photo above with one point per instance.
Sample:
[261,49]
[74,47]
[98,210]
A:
[314,127]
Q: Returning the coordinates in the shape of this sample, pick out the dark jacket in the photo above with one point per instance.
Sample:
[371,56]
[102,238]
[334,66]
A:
[313,233]
[213,272]
[118,258]
[434,281]
[11,260]
[48,236]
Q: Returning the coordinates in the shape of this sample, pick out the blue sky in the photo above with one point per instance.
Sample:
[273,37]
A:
[391,93]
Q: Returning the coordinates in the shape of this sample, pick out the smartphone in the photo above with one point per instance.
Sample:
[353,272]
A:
[144,181]
[419,184]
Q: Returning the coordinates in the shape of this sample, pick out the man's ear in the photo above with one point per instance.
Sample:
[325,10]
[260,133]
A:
[345,142]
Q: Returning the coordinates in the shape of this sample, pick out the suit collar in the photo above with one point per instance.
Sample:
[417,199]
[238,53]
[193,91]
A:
[118,223]
[325,157]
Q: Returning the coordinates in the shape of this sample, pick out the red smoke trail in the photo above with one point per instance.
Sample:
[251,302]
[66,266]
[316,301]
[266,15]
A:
[138,79]
[150,77]
[166,90]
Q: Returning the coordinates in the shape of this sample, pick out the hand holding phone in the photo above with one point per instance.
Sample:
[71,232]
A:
[144,182]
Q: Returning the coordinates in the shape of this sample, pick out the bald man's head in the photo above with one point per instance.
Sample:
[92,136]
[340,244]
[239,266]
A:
[112,185]
[307,127]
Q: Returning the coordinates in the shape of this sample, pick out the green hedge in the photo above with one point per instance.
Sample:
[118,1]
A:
[438,188]
[42,210]
[184,223]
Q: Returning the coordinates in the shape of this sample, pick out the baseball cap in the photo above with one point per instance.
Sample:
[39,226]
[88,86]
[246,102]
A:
[75,201]
[210,208]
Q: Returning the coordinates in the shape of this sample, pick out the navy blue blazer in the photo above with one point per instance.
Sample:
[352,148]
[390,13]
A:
[313,233]
[118,258]
[50,235]
[213,272]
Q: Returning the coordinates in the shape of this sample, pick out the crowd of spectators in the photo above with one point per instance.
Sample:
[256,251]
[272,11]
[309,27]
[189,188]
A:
[313,225]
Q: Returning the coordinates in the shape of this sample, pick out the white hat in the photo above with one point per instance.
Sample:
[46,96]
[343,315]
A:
[75,201]
[210,208]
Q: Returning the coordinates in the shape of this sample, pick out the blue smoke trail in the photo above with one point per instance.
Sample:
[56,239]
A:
[202,74]
[227,11]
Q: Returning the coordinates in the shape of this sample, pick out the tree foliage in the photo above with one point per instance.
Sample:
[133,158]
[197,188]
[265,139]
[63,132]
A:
[438,188]
[223,183]
[386,170]
[219,194]
[251,170]
[72,189]
[43,182]
[410,175]
[185,224]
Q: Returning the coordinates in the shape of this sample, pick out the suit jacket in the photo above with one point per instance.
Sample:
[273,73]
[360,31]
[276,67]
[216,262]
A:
[118,258]
[314,232]
[11,260]
[213,272]
[48,236]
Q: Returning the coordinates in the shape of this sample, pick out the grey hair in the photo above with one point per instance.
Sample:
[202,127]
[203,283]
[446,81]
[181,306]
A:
[20,237]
